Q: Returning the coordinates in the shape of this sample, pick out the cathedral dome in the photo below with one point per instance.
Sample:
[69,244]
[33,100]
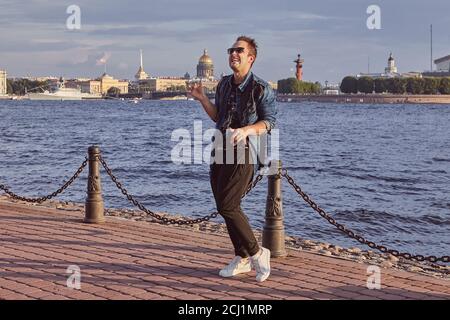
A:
[205,66]
[205,58]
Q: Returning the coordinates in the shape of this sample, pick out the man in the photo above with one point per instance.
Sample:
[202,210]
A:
[244,106]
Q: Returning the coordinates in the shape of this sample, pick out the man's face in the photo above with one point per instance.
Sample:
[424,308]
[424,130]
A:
[240,61]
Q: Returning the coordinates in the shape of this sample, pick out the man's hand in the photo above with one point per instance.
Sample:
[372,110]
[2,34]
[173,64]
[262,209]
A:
[238,135]
[196,90]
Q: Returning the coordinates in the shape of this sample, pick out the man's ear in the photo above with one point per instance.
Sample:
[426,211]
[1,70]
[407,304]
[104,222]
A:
[252,59]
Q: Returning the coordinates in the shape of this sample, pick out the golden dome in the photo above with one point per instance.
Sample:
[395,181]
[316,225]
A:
[205,59]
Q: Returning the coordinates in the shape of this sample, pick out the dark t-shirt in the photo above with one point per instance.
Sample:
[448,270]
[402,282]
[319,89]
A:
[232,116]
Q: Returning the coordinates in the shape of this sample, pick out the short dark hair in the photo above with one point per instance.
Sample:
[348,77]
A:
[253,47]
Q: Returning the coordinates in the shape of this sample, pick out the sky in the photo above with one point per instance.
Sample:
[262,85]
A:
[331,35]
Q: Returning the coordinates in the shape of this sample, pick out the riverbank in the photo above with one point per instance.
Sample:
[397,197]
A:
[367,98]
[355,254]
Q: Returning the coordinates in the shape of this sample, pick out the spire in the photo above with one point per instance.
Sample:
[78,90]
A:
[391,68]
[141,74]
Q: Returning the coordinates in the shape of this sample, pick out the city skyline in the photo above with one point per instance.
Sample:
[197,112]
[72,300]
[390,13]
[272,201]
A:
[36,42]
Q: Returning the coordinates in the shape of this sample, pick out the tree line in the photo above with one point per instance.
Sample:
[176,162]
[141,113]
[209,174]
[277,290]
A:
[22,86]
[292,85]
[427,85]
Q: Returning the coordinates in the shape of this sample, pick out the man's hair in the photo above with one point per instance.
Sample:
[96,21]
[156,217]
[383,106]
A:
[253,47]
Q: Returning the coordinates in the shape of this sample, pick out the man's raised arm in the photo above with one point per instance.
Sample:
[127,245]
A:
[196,90]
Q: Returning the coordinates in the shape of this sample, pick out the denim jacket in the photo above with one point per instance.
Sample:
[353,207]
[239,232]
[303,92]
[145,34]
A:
[255,101]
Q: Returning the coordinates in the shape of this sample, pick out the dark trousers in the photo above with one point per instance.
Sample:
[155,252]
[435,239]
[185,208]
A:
[229,183]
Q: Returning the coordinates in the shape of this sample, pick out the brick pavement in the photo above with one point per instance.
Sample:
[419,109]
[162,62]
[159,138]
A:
[124,259]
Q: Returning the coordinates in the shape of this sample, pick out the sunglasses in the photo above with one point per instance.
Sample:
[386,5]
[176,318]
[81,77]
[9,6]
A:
[238,50]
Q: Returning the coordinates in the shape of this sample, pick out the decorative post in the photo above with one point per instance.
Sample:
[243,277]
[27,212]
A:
[94,211]
[273,231]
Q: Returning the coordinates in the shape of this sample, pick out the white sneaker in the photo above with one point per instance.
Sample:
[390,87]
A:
[261,263]
[237,265]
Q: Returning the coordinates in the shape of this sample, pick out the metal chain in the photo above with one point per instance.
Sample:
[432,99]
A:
[253,184]
[52,195]
[353,235]
[165,220]
[258,178]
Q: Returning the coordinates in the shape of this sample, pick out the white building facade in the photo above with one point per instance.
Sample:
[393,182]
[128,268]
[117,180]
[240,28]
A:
[3,86]
[391,71]
[443,64]
[391,68]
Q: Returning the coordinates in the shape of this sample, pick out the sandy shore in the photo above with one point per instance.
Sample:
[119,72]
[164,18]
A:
[356,254]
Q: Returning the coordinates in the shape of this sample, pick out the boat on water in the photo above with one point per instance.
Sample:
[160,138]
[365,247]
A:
[175,98]
[135,100]
[62,94]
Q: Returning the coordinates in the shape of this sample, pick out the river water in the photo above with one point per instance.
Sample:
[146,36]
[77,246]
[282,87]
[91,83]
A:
[382,170]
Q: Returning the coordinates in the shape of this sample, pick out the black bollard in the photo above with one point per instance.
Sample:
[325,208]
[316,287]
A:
[94,201]
[273,231]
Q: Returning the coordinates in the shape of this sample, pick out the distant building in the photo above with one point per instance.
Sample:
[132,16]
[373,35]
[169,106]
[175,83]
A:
[210,85]
[442,68]
[205,72]
[89,86]
[391,72]
[82,79]
[141,74]
[49,78]
[391,68]
[443,64]
[165,84]
[172,84]
[103,84]
[3,85]
[436,74]
[331,91]
[205,66]
[411,74]
[41,79]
